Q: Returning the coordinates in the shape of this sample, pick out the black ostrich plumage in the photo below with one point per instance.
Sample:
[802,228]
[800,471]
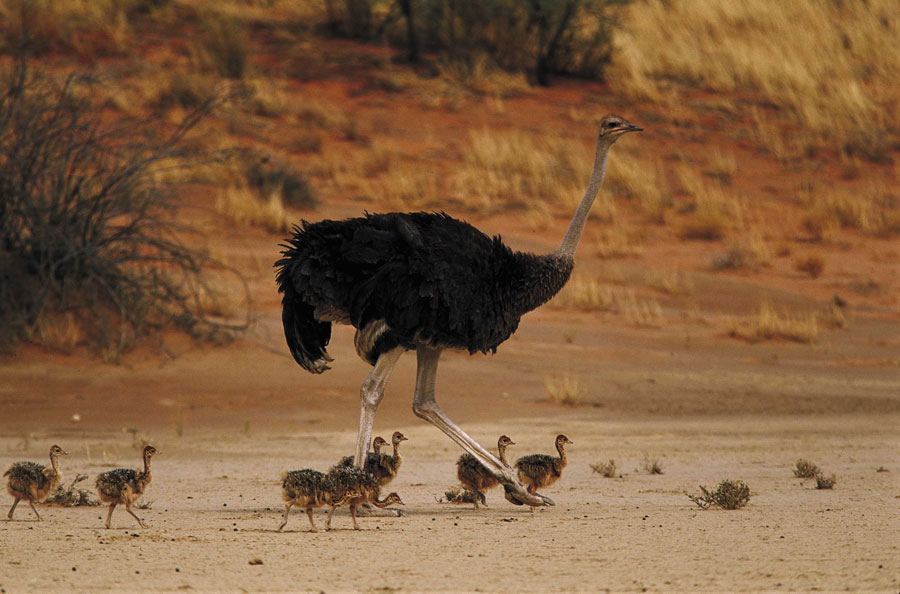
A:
[429,278]
[113,483]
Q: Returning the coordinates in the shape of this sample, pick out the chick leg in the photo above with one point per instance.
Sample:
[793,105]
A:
[34,509]
[309,513]
[112,506]
[287,508]
[129,510]
[12,509]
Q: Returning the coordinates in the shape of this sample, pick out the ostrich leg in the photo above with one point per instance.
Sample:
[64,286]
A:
[426,407]
[371,393]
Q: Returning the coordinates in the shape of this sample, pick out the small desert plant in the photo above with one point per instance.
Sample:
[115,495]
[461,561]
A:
[242,206]
[881,469]
[810,264]
[458,495]
[223,45]
[607,469]
[825,482]
[565,389]
[768,324]
[145,505]
[805,469]
[268,176]
[71,496]
[728,495]
[651,465]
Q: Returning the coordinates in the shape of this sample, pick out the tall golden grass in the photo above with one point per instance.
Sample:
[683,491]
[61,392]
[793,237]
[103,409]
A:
[832,66]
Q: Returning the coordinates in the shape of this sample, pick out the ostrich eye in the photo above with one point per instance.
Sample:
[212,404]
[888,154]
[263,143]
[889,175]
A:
[610,124]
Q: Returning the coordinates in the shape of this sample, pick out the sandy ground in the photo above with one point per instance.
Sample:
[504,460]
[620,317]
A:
[215,507]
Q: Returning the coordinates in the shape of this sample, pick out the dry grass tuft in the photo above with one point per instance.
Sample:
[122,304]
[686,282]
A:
[404,188]
[222,45]
[242,206]
[805,469]
[825,482]
[768,324]
[565,389]
[728,495]
[503,168]
[606,469]
[643,313]
[60,332]
[874,210]
[71,496]
[722,166]
[457,495]
[87,28]
[635,179]
[812,265]
[833,76]
[586,294]
[751,253]
[651,466]
[618,242]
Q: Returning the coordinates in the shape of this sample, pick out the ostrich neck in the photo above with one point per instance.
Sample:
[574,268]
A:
[146,465]
[397,452]
[380,503]
[562,454]
[54,464]
[501,449]
[573,234]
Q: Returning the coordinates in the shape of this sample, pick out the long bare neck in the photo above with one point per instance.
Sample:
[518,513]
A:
[501,449]
[146,464]
[563,460]
[576,227]
[396,451]
[54,463]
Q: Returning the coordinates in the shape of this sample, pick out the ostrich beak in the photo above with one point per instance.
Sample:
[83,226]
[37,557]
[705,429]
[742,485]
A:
[632,128]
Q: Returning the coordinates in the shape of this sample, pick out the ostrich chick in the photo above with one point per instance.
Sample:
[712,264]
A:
[32,481]
[306,488]
[475,477]
[390,463]
[125,486]
[373,458]
[541,470]
[356,486]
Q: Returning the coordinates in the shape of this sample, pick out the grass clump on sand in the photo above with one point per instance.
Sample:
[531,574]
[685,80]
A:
[805,469]
[728,495]
[458,495]
[606,469]
[652,465]
[825,482]
[71,496]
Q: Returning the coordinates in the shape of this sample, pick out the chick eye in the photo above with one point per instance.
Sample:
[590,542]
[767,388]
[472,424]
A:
[610,125]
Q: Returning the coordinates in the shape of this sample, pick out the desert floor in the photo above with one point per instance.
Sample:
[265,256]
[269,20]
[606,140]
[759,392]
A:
[229,421]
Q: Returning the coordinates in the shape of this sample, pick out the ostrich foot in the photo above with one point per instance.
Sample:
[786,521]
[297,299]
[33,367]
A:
[517,495]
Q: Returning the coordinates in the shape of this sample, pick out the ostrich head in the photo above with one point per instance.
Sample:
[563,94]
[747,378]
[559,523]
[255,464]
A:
[505,441]
[57,451]
[613,126]
[398,437]
[378,443]
[562,441]
[150,451]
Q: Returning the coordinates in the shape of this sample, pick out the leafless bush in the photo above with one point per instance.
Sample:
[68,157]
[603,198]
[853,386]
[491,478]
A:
[87,221]
[728,495]
[71,496]
[805,469]
[825,482]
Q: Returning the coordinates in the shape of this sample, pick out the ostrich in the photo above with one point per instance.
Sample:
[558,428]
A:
[125,486]
[541,470]
[33,482]
[425,282]
[475,477]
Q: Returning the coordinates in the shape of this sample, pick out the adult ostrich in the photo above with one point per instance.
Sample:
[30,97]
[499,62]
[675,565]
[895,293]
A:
[422,281]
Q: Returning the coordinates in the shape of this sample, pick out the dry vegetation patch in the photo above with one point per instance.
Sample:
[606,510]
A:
[565,389]
[768,324]
[728,494]
[834,75]
[606,469]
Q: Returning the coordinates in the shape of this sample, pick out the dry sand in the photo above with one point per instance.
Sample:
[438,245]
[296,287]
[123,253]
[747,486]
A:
[216,506]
